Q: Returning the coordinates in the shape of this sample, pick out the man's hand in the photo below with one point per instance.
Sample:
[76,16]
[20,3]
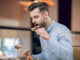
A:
[43,33]
[27,55]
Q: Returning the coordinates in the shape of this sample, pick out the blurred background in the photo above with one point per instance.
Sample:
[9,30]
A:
[14,22]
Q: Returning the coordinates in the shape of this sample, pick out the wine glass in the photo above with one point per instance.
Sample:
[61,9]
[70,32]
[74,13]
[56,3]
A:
[18,45]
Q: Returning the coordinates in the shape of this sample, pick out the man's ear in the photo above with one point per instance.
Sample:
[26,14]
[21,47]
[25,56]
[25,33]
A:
[45,14]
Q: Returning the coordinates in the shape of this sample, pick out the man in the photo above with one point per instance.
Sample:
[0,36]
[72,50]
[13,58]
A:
[55,38]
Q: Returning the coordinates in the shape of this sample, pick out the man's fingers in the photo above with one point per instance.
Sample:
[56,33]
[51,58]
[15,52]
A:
[26,53]
[39,31]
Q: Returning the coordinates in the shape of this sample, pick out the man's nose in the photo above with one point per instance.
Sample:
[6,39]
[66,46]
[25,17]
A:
[33,21]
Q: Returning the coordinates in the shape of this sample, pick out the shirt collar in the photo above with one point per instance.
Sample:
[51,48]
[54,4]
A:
[50,26]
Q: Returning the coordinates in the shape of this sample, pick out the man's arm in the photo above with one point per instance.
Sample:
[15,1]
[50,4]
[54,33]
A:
[61,46]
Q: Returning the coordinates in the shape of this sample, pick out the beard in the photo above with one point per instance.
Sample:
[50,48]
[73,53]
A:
[43,24]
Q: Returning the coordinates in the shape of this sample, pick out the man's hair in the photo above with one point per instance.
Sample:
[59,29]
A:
[41,5]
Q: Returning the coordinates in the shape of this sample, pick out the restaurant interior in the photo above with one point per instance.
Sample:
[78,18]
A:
[15,27]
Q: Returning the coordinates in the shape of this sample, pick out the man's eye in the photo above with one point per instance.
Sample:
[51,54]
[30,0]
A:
[35,16]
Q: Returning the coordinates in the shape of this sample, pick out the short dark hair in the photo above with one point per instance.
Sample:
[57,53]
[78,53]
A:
[42,6]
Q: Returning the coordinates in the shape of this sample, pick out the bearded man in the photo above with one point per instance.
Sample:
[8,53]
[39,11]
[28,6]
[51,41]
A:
[55,38]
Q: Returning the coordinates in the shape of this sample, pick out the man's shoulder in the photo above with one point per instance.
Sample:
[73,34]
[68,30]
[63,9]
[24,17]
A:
[60,27]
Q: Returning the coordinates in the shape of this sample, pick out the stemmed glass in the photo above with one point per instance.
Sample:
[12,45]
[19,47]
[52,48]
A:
[18,45]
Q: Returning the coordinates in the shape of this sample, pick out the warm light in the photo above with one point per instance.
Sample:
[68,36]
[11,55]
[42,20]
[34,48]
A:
[25,3]
[28,3]
[35,1]
[1,54]
[49,2]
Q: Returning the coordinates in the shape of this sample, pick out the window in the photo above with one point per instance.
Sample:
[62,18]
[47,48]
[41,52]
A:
[8,47]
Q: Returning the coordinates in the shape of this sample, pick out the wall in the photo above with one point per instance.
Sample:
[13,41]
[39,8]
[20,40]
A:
[12,14]
[76,28]
[54,11]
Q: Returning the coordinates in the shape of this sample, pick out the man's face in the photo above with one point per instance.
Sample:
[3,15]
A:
[37,18]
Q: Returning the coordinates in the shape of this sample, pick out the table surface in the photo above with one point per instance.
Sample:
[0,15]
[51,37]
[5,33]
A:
[3,57]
